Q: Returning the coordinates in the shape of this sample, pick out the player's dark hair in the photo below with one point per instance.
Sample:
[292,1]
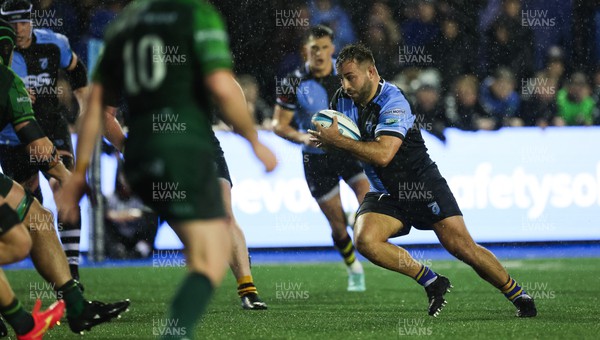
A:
[7,41]
[355,52]
[317,32]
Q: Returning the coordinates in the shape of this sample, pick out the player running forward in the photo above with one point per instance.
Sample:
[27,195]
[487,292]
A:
[39,56]
[303,93]
[395,157]
[15,244]
[179,155]
[46,253]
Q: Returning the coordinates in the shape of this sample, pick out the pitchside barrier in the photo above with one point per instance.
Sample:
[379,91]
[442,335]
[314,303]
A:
[513,185]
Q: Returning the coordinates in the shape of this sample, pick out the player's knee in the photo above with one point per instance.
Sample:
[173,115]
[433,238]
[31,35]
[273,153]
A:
[23,249]
[365,242]
[21,244]
[41,219]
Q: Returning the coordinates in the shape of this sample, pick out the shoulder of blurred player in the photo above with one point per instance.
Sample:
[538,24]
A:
[47,36]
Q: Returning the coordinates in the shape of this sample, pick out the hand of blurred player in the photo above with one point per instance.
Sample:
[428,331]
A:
[265,155]
[327,136]
[69,196]
[309,140]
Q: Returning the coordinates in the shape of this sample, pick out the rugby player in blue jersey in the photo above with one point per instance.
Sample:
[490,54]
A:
[407,189]
[303,93]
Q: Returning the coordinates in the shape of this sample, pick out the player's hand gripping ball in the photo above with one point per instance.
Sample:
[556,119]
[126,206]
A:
[345,124]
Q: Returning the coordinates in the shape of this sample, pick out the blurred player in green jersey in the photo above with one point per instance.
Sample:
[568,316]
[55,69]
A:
[170,59]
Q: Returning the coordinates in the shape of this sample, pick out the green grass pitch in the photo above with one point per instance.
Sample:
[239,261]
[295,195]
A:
[309,301]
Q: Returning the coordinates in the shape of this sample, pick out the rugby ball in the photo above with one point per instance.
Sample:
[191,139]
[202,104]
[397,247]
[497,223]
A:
[345,124]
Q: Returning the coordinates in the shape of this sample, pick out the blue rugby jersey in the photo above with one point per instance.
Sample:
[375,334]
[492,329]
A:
[388,113]
[306,95]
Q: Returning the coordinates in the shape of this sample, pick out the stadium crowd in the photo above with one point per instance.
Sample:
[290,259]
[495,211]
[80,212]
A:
[467,64]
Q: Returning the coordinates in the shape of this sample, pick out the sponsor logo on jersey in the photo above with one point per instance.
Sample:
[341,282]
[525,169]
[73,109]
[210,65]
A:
[391,121]
[44,63]
[42,79]
[394,112]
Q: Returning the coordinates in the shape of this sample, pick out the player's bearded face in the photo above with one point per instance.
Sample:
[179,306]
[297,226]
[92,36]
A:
[356,81]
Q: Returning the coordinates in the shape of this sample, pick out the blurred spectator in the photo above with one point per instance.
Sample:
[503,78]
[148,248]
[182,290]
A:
[258,108]
[555,65]
[329,13]
[463,108]
[539,104]
[429,111]
[383,37]
[511,12]
[499,98]
[505,48]
[411,79]
[462,58]
[465,12]
[576,106]
[423,28]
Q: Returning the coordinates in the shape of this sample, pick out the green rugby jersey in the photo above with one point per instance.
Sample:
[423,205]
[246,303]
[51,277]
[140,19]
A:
[15,105]
[157,53]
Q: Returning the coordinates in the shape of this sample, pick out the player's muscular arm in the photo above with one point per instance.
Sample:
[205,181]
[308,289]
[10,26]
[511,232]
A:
[112,129]
[230,99]
[234,111]
[379,152]
[89,129]
[282,119]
